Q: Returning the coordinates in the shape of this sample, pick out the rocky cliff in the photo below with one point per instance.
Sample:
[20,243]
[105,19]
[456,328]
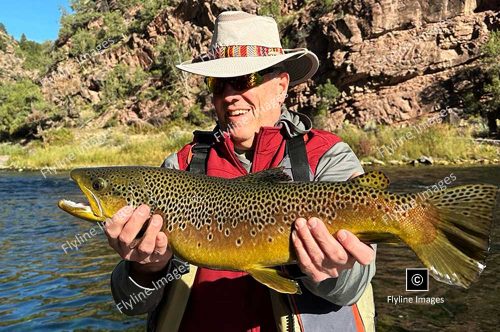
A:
[392,60]
[10,63]
[397,60]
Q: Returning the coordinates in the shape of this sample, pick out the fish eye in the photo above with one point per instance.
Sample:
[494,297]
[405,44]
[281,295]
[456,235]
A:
[99,184]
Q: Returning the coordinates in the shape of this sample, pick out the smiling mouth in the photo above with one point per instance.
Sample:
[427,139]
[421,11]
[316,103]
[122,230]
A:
[238,112]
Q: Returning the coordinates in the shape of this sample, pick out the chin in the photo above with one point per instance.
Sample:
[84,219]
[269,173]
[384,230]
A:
[241,138]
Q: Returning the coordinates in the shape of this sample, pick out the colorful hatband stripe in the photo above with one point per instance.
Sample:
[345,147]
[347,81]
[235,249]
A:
[234,51]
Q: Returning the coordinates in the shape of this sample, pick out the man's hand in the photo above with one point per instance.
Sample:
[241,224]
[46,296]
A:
[322,256]
[151,254]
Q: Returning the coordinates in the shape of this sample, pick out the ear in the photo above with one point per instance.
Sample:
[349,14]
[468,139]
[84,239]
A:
[284,81]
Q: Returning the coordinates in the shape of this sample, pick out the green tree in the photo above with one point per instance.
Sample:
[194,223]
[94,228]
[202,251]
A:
[149,10]
[114,26]
[120,83]
[23,39]
[84,11]
[484,100]
[36,55]
[17,101]
[3,28]
[328,93]
[83,41]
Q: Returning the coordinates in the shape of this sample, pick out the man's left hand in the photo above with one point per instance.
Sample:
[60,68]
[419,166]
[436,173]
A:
[321,255]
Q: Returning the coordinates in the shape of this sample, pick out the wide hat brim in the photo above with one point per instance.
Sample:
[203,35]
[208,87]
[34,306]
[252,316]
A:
[300,64]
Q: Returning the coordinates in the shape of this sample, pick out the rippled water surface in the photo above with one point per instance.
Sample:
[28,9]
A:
[474,309]
[41,286]
[44,288]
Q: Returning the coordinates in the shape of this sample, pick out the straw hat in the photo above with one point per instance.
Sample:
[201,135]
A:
[243,43]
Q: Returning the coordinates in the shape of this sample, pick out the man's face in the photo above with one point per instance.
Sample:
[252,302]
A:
[242,113]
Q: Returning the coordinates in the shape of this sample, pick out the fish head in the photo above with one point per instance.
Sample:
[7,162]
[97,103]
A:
[107,189]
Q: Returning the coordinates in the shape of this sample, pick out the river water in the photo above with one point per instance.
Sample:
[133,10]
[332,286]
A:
[46,284]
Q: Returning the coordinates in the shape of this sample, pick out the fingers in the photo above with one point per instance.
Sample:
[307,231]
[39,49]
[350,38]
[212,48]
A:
[361,252]
[148,242]
[114,226]
[133,226]
[310,245]
[150,252]
[304,261]
[320,255]
[315,251]
[161,243]
[331,248]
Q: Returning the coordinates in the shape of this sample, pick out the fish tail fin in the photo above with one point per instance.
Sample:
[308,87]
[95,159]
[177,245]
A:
[463,220]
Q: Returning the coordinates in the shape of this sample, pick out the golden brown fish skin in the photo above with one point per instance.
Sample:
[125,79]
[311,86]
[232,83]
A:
[246,238]
[235,224]
[245,223]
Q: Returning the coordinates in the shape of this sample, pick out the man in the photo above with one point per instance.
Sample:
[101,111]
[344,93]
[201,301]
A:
[249,74]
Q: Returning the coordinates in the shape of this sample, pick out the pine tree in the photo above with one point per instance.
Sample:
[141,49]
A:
[23,39]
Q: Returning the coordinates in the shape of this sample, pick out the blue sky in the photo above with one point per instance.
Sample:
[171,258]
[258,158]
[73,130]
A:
[37,19]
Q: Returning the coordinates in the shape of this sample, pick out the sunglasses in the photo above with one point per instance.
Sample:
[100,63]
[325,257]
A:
[216,85]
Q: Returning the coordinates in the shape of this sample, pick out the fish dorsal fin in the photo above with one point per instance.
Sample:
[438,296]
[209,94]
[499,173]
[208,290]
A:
[269,175]
[373,179]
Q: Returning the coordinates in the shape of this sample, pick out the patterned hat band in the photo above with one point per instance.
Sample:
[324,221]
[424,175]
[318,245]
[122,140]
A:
[235,51]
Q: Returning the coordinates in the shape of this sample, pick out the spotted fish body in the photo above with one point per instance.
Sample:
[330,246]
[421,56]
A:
[245,223]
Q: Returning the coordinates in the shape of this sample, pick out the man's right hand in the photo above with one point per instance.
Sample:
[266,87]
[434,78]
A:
[151,254]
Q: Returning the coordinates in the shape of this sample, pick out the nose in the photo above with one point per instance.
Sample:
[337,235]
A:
[230,94]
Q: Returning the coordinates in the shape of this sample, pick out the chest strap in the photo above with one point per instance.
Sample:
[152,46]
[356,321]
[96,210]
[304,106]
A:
[295,147]
[298,158]
[204,141]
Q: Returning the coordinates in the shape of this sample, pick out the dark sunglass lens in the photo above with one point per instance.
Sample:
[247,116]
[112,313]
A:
[240,83]
[219,86]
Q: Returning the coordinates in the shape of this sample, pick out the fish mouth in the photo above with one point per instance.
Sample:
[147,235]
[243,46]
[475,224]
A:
[80,210]
[95,204]
[93,212]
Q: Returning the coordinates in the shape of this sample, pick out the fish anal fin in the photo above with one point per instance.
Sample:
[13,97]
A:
[274,280]
[374,237]
[270,175]
[372,179]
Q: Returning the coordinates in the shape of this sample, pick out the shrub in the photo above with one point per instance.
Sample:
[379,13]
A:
[18,100]
[149,10]
[122,82]
[114,26]
[197,117]
[58,136]
[83,41]
[270,8]
[327,93]
[36,55]
[484,99]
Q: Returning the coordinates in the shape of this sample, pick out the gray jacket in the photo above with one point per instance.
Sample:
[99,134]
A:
[337,164]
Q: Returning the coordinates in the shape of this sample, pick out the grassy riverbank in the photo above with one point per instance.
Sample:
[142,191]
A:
[69,148]
[444,143]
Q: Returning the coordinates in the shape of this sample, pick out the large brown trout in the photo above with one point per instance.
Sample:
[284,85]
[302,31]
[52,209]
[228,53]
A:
[245,223]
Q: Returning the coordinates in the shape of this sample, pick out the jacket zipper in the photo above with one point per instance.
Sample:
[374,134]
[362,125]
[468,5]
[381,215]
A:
[290,323]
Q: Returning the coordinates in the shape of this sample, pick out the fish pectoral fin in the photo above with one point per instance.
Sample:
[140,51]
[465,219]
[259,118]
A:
[270,175]
[273,279]
[373,179]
